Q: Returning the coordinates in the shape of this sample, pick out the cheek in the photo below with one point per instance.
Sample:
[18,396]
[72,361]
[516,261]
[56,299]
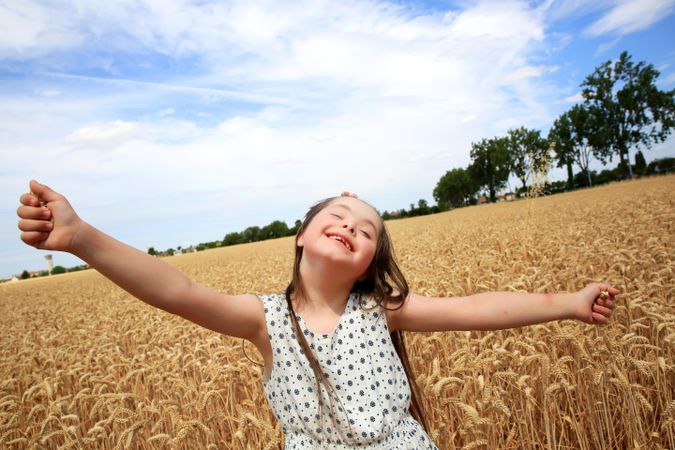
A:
[370,254]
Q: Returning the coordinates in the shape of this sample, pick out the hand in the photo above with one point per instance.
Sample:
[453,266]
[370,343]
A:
[48,221]
[595,303]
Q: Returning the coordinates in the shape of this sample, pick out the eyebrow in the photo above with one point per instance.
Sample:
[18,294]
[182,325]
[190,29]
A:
[349,209]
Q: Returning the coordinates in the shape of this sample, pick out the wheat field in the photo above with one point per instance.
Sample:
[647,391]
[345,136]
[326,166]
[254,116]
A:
[85,365]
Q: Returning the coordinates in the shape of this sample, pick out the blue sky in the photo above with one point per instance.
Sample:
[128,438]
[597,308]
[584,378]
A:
[173,123]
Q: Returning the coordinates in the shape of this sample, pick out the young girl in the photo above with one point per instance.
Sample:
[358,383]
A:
[336,370]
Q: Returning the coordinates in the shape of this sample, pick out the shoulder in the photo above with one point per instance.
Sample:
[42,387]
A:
[270,298]
[273,304]
[412,313]
[233,315]
[367,303]
[392,309]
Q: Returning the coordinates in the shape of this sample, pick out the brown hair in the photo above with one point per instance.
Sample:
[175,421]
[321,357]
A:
[381,274]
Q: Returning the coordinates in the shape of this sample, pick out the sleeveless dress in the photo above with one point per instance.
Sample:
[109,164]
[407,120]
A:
[360,361]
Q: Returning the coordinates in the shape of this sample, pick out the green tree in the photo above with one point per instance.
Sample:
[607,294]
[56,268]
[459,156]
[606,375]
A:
[455,189]
[251,234]
[152,251]
[584,134]
[170,252]
[630,109]
[661,166]
[491,164]
[528,152]
[560,139]
[25,275]
[58,269]
[640,163]
[233,238]
[294,229]
[573,135]
[275,229]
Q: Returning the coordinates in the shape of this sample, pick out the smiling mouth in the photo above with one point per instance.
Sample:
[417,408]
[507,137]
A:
[342,241]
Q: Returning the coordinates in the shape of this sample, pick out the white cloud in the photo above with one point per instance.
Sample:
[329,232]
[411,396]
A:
[576,98]
[668,79]
[628,16]
[531,71]
[606,46]
[469,118]
[48,92]
[106,133]
[29,28]
[166,112]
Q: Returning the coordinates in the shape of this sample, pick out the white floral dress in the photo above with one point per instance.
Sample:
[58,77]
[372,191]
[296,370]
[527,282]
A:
[359,359]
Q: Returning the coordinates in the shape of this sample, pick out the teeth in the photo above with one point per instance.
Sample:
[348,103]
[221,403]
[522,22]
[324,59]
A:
[345,243]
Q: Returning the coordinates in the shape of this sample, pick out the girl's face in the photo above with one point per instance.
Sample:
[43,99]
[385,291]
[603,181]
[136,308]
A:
[345,232]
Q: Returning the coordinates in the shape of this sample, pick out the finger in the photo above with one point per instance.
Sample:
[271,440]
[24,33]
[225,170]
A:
[599,318]
[29,199]
[608,302]
[43,192]
[602,310]
[32,212]
[34,238]
[35,225]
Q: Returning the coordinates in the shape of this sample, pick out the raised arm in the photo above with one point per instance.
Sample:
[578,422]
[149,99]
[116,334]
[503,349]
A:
[49,222]
[501,310]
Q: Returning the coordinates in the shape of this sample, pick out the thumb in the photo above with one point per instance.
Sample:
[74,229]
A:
[43,192]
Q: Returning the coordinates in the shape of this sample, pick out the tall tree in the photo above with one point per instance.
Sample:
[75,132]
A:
[455,189]
[631,110]
[584,133]
[491,164]
[560,139]
[575,133]
[640,163]
[528,152]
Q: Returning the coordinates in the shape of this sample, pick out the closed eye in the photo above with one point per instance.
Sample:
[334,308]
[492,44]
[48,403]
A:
[366,234]
[336,215]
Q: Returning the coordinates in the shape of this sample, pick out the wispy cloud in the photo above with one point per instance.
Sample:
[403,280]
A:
[628,16]
[576,98]
[668,79]
[531,71]
[48,92]
[211,92]
[109,133]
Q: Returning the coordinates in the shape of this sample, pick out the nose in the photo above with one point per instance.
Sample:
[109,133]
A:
[348,226]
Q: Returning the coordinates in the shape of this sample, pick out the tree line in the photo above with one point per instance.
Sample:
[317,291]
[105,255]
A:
[622,109]
[279,228]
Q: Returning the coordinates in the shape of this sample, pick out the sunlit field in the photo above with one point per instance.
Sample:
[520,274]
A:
[85,365]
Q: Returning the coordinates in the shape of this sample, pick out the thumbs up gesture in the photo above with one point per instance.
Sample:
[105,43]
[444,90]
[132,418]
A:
[47,220]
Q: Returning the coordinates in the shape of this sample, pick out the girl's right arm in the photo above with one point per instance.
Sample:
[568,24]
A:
[50,223]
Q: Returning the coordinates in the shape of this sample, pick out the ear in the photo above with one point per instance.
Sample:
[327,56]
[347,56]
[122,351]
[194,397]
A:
[301,241]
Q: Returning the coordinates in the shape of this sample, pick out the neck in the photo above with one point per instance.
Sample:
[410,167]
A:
[322,288]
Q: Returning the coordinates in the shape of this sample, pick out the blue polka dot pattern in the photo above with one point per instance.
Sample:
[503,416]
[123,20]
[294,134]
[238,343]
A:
[359,359]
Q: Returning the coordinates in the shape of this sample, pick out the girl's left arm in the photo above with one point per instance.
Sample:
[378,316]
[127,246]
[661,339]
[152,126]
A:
[499,310]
